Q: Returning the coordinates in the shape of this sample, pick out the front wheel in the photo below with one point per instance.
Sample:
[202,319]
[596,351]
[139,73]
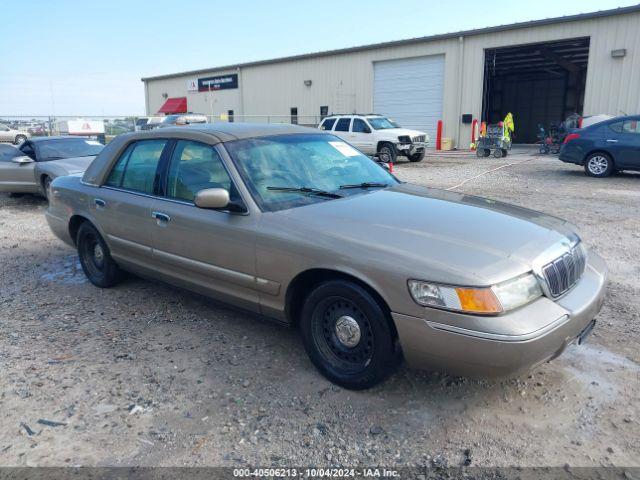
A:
[46,187]
[387,153]
[416,157]
[347,335]
[95,258]
[598,165]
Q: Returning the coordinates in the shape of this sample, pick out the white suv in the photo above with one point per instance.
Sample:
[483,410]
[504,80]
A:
[377,135]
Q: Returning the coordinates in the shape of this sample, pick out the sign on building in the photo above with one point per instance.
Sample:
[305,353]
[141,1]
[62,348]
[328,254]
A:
[192,85]
[221,82]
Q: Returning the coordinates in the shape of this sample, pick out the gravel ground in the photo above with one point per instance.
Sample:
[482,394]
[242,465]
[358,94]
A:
[146,374]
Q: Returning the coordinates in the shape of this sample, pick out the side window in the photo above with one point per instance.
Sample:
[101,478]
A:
[194,167]
[616,127]
[360,126]
[136,168]
[328,124]
[343,125]
[631,126]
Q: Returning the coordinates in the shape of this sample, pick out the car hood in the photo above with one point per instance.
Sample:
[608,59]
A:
[396,132]
[457,238]
[74,164]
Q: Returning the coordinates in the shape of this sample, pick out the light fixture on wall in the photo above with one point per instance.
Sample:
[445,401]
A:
[619,53]
[165,95]
[307,83]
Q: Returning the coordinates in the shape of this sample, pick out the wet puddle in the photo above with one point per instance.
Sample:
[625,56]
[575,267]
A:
[66,271]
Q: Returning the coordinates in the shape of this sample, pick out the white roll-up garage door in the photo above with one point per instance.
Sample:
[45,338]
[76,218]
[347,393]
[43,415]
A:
[410,91]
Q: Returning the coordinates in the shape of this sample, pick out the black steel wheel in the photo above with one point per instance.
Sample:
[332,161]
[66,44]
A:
[95,258]
[348,335]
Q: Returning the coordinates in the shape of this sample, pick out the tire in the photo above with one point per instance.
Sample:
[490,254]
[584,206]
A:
[19,140]
[387,153]
[338,313]
[16,195]
[96,261]
[497,153]
[46,187]
[505,152]
[416,157]
[598,165]
[486,152]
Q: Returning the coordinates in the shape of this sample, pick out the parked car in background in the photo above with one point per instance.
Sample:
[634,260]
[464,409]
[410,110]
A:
[182,119]
[605,147]
[378,135]
[16,137]
[296,224]
[32,166]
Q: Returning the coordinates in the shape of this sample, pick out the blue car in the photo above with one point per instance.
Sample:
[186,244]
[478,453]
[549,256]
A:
[605,147]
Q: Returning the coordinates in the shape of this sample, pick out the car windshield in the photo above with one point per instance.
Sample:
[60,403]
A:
[382,123]
[287,171]
[68,148]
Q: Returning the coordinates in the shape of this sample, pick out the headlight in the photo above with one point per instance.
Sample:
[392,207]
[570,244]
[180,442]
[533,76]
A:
[485,300]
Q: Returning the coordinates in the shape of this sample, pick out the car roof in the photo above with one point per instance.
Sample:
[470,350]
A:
[59,137]
[354,115]
[228,131]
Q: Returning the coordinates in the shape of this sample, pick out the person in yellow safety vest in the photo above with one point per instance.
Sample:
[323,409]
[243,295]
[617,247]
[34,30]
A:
[508,127]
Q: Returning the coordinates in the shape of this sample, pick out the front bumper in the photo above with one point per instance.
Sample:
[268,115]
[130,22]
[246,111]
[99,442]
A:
[411,148]
[459,351]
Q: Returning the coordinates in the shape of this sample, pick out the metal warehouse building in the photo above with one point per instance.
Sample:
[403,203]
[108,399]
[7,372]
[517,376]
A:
[541,71]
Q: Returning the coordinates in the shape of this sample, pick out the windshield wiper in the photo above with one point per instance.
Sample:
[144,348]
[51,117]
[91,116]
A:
[365,185]
[309,190]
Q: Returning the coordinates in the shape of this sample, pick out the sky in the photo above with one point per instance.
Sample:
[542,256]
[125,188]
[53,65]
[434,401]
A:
[69,57]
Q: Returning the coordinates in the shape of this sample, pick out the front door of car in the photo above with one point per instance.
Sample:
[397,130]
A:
[211,251]
[360,136]
[122,206]
[17,174]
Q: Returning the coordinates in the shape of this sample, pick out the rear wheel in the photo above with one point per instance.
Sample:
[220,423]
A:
[347,335]
[598,165]
[95,258]
[387,153]
[497,153]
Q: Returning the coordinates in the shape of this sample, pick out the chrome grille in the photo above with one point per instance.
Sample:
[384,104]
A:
[418,138]
[565,271]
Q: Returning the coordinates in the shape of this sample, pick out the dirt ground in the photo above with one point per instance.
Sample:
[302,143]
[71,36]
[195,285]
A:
[146,374]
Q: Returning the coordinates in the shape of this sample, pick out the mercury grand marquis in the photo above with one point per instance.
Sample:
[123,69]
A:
[298,225]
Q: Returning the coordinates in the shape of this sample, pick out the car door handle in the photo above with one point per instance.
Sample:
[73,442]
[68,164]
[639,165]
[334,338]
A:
[611,140]
[161,217]
[99,203]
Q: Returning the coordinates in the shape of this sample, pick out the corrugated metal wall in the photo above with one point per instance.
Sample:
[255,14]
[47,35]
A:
[345,81]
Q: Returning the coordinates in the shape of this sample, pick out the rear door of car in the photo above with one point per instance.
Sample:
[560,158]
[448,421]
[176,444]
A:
[212,251]
[342,127]
[122,206]
[361,137]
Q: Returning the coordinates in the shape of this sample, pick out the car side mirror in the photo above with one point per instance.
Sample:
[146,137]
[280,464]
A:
[22,160]
[367,130]
[213,198]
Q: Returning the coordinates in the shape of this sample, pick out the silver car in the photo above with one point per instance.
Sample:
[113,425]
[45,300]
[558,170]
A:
[32,166]
[10,135]
[297,225]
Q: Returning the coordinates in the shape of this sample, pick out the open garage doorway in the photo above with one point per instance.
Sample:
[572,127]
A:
[541,83]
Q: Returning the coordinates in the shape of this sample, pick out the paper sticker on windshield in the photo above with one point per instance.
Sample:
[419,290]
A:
[92,142]
[345,149]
